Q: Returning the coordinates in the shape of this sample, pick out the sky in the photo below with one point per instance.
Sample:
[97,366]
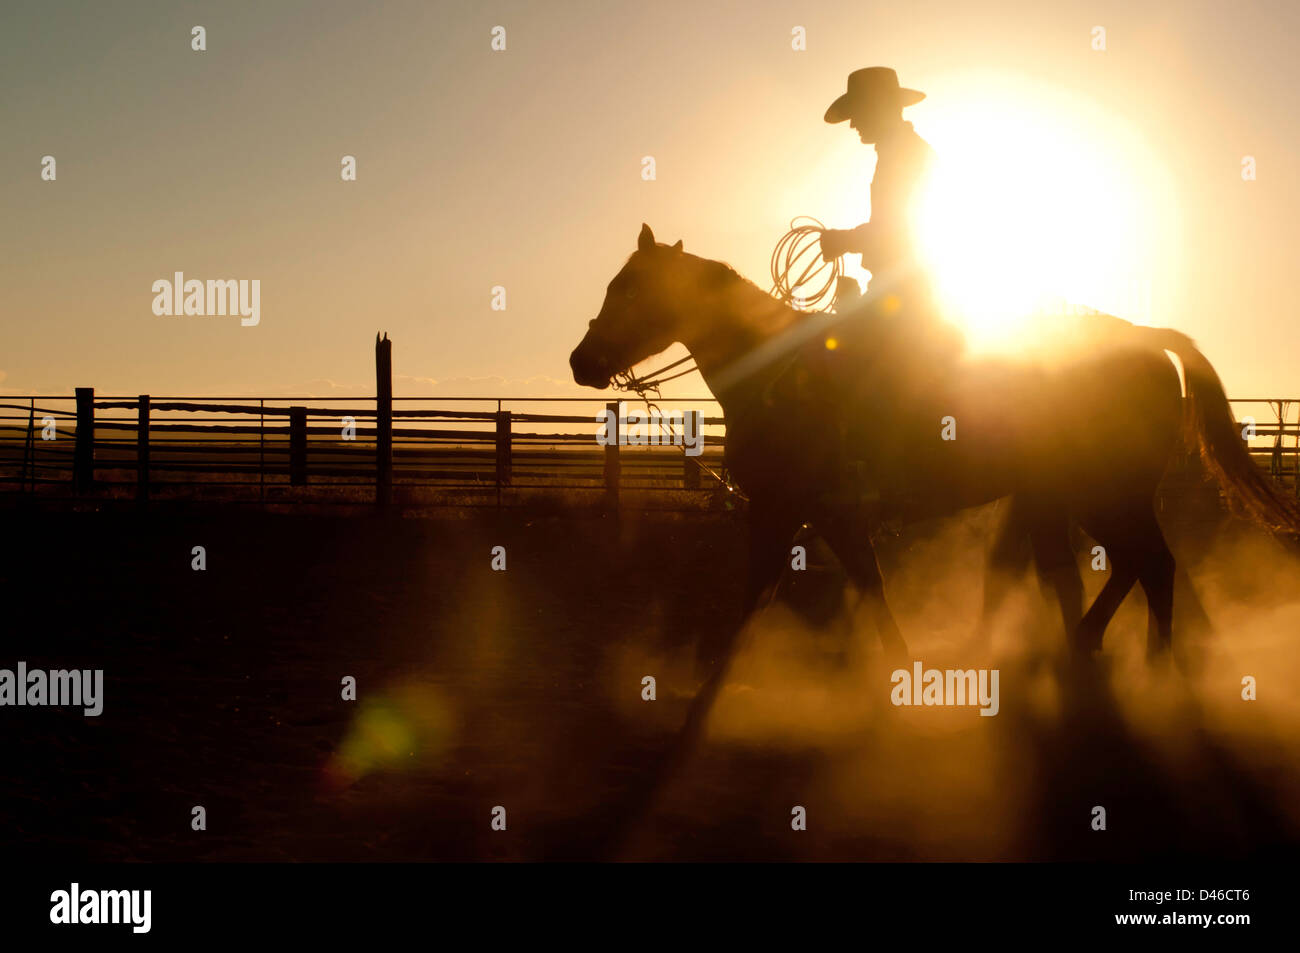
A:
[522,169]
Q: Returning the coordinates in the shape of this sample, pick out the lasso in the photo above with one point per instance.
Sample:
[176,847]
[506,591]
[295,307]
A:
[798,253]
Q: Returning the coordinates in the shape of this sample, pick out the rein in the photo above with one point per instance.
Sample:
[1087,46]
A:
[626,380]
[642,386]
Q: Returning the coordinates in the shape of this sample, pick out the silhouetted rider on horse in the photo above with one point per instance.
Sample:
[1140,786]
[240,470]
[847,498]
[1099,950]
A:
[893,350]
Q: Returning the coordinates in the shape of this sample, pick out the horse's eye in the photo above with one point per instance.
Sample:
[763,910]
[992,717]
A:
[631,292]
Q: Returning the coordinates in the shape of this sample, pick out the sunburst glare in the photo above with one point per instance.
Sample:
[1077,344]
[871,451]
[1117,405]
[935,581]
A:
[1027,211]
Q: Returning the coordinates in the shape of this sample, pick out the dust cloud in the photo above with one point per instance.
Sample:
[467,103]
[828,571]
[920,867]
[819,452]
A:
[1182,764]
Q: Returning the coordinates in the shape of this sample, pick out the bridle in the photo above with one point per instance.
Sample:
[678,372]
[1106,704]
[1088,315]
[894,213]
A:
[788,256]
[626,380]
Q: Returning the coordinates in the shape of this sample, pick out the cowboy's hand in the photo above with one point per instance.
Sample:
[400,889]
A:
[835,242]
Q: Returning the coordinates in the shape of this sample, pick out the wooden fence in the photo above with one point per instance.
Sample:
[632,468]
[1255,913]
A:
[380,450]
[386,449]
[281,450]
[259,449]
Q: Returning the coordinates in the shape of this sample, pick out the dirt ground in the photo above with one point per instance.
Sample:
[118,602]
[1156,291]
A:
[522,689]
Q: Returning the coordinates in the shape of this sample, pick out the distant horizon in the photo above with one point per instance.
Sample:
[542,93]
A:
[522,170]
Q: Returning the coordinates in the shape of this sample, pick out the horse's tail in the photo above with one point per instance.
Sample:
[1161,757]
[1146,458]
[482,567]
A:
[1211,424]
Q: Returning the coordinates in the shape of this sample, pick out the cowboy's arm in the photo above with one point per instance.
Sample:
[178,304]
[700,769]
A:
[863,240]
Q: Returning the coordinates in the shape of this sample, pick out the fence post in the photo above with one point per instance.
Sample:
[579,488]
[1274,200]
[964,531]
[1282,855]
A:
[1295,472]
[690,468]
[1275,458]
[298,446]
[29,448]
[83,455]
[142,450]
[504,466]
[383,421]
[612,469]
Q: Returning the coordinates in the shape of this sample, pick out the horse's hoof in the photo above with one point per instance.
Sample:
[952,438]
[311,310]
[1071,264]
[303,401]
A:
[1159,655]
[1086,642]
[1086,651]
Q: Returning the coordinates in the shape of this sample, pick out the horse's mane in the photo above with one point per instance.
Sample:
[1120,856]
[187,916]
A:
[721,271]
[717,271]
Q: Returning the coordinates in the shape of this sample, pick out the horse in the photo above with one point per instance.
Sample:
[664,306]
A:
[829,435]
[1065,441]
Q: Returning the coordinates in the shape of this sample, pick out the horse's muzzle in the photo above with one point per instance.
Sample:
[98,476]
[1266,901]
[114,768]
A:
[588,371]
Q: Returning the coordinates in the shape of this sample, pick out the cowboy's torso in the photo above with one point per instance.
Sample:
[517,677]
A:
[903,163]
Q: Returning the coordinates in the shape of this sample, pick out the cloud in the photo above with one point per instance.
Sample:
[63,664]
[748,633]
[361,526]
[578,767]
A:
[407,385]
[404,385]
[320,387]
[488,386]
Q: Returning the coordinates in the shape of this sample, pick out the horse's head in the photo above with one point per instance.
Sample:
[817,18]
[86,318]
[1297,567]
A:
[639,317]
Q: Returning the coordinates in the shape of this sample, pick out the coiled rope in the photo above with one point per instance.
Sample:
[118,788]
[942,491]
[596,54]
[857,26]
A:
[797,267]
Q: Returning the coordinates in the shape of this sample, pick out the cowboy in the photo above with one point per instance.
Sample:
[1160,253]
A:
[873,105]
[897,325]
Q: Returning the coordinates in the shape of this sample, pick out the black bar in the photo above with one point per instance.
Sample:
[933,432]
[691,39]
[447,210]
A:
[982,905]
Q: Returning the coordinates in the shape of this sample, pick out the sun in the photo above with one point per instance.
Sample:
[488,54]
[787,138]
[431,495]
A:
[1038,201]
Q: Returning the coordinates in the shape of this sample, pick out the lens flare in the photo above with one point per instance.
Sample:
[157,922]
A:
[408,725]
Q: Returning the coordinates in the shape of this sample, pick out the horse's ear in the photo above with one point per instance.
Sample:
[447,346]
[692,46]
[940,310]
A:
[678,246]
[646,240]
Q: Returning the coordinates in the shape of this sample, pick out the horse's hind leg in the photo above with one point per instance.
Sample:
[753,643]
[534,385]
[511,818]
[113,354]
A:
[1047,529]
[848,532]
[1137,552]
[1088,635]
[1114,532]
[1050,535]
[1157,577]
[1006,560]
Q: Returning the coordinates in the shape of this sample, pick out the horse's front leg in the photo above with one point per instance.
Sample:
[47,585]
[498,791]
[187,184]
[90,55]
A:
[847,529]
[770,531]
[771,528]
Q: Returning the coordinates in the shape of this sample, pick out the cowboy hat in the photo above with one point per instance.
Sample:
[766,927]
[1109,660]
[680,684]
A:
[875,86]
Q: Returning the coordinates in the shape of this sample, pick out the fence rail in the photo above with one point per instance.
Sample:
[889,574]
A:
[283,450]
[292,450]
[385,449]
